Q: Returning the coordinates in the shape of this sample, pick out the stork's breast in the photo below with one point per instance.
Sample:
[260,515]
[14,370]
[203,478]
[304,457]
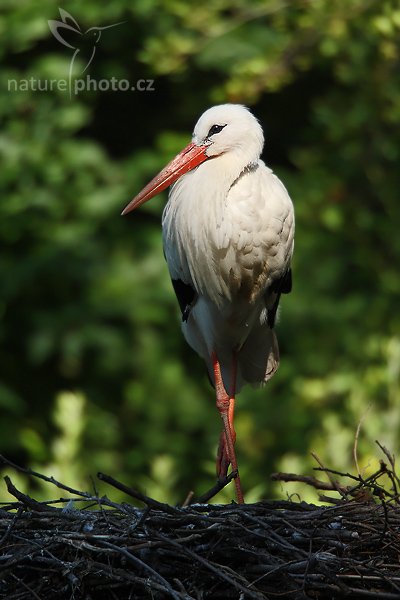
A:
[258,236]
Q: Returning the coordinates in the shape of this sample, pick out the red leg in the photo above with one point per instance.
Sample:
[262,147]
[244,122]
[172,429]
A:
[223,462]
[225,404]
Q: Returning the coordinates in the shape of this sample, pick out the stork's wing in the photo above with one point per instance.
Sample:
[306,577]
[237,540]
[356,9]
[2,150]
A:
[185,293]
[186,296]
[283,285]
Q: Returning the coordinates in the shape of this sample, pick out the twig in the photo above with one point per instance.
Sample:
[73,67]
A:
[51,480]
[132,558]
[26,500]
[138,495]
[218,571]
[333,482]
[392,462]
[221,483]
[327,470]
[24,585]
[10,526]
[335,501]
[355,445]
[308,479]
[188,499]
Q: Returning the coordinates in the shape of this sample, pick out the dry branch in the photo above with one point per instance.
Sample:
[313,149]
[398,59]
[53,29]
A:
[100,549]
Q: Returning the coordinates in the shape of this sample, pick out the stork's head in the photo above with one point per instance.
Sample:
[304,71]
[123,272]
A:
[229,128]
[226,129]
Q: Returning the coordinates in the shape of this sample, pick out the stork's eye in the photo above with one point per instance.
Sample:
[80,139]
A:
[215,129]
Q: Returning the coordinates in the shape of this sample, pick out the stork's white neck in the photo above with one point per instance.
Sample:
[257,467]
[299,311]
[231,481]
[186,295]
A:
[193,220]
[208,185]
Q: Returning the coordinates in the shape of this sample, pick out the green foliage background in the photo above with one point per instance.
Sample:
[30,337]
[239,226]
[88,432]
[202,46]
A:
[94,374]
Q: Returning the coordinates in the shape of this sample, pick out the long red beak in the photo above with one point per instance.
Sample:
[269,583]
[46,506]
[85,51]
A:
[185,161]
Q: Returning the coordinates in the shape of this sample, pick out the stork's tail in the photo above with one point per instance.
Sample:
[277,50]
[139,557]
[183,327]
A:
[258,358]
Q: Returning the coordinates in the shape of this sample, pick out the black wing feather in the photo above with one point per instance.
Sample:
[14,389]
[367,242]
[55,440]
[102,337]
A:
[186,296]
[279,286]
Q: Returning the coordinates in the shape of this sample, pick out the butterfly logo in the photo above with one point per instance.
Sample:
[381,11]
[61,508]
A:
[84,43]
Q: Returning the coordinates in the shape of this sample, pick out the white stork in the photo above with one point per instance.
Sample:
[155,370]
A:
[228,232]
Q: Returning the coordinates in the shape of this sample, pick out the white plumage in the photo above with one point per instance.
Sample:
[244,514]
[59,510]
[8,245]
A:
[228,239]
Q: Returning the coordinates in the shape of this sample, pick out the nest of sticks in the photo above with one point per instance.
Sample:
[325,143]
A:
[90,547]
